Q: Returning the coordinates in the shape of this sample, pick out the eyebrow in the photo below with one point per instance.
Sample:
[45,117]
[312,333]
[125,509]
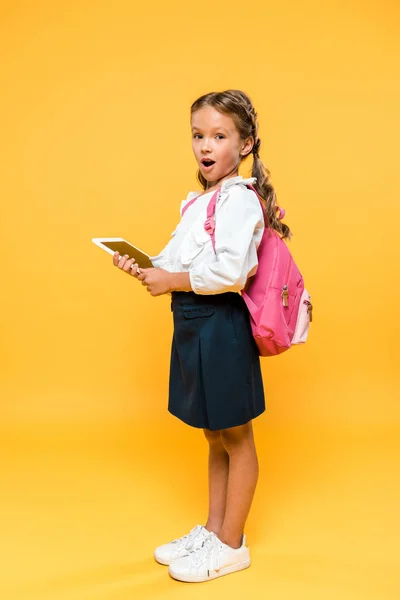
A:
[215,129]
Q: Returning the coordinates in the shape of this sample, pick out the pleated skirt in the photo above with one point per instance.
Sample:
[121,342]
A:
[215,376]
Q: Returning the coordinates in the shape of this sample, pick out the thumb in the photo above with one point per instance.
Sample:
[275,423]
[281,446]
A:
[142,275]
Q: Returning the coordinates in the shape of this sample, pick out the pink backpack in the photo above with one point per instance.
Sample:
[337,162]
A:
[279,305]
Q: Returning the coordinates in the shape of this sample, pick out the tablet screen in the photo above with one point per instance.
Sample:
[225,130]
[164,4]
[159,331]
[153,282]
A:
[125,248]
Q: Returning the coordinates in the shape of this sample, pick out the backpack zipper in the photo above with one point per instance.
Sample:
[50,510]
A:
[285,295]
[309,308]
[285,290]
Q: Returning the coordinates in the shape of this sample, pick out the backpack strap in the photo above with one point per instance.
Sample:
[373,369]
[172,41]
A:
[189,204]
[282,211]
[209,224]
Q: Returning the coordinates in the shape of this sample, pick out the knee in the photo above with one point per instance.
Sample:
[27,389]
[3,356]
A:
[212,437]
[236,436]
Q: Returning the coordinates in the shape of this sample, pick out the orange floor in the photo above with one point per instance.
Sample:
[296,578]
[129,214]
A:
[81,514]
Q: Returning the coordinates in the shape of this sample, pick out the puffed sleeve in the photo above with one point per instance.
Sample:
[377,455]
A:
[239,225]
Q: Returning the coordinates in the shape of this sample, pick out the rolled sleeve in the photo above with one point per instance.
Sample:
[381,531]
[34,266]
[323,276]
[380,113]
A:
[237,219]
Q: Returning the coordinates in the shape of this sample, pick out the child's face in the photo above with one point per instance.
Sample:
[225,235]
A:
[215,137]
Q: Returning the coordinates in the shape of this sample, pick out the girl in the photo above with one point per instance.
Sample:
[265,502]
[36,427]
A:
[215,377]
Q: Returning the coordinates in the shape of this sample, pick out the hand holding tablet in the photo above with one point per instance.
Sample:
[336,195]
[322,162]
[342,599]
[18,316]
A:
[120,245]
[124,263]
[156,280]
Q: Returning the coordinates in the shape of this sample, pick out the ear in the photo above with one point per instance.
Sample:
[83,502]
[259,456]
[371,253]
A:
[247,146]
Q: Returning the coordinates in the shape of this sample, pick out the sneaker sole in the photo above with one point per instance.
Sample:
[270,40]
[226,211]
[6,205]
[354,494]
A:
[163,562]
[216,574]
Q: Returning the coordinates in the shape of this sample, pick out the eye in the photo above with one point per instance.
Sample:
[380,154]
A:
[198,135]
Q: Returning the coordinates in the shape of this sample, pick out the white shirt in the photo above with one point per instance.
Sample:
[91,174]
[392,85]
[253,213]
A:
[239,226]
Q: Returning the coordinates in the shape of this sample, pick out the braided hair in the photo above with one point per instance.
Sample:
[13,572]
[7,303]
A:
[239,107]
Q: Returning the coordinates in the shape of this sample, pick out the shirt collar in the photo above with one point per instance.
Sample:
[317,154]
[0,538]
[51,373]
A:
[225,184]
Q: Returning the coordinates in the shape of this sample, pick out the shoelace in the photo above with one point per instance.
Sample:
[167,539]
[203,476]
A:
[187,540]
[209,552]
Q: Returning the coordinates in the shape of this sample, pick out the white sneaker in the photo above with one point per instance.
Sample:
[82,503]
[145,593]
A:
[213,559]
[167,553]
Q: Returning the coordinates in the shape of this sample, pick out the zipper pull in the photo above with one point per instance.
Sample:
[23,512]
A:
[285,296]
[309,308]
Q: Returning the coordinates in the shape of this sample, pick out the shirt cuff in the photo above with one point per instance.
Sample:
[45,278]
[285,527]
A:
[199,285]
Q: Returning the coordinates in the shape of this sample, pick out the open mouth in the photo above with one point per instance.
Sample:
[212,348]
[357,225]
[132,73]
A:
[207,163]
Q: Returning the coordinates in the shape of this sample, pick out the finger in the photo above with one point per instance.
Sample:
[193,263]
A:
[134,270]
[122,261]
[116,258]
[128,264]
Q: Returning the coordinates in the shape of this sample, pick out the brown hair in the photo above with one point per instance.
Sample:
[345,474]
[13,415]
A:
[238,105]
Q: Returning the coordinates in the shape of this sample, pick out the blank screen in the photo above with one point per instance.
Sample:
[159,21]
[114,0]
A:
[125,248]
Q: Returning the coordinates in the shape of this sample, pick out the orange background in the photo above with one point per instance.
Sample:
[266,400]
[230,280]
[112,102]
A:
[95,134]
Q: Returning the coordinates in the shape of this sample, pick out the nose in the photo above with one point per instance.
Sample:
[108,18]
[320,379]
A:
[205,146]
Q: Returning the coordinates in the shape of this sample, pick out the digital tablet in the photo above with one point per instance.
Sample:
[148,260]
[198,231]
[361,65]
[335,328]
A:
[120,245]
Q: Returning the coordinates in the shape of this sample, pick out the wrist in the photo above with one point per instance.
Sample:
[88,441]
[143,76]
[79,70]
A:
[180,282]
[171,282]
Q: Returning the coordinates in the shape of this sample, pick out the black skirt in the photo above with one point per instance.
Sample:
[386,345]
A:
[215,377]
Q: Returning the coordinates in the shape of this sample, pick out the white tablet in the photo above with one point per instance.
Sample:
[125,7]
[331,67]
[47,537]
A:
[120,245]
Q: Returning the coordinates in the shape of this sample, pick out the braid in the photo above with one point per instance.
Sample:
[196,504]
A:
[252,118]
[256,147]
[263,185]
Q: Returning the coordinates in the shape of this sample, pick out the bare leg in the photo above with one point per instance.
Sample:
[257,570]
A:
[218,468]
[242,481]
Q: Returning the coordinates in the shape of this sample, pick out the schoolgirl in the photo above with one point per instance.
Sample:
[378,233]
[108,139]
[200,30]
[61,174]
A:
[215,378]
